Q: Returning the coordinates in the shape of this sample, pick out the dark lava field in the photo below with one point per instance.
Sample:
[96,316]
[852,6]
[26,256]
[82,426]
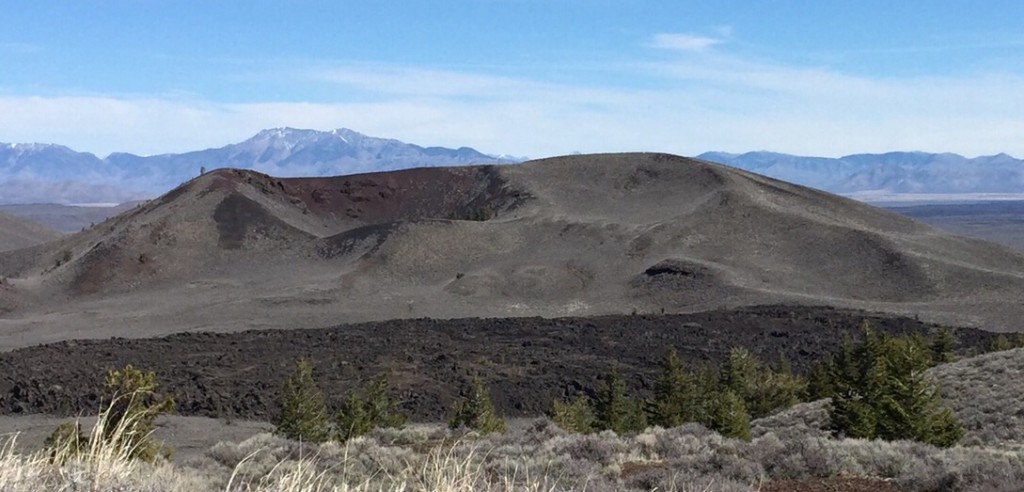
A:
[527,361]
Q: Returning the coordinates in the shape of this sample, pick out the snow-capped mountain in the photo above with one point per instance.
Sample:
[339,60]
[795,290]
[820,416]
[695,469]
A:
[56,174]
[893,172]
[36,173]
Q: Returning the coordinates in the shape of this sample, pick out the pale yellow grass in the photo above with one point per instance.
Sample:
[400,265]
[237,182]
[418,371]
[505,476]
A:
[106,465]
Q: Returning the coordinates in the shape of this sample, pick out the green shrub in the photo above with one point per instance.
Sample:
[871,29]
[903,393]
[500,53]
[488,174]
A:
[672,393]
[353,419]
[379,404]
[126,423]
[475,411]
[66,441]
[943,347]
[729,416]
[614,410]
[358,416]
[303,413]
[882,392]
[1000,343]
[576,417]
[819,381]
[130,396]
[763,390]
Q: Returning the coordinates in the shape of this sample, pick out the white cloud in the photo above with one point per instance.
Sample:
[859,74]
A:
[685,42]
[692,103]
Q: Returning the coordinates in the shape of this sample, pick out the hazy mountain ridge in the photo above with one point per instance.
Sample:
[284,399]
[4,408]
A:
[892,172]
[36,173]
[50,173]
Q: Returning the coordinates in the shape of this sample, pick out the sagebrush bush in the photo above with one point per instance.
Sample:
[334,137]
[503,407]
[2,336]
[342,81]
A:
[984,392]
[534,455]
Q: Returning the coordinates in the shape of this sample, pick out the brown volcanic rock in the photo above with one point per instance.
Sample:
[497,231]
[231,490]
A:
[411,194]
[579,235]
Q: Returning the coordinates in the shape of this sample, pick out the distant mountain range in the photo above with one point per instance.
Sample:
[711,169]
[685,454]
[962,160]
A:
[47,173]
[893,172]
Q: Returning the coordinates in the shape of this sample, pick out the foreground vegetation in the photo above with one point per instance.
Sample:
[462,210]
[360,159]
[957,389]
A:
[533,455]
[877,385]
[734,428]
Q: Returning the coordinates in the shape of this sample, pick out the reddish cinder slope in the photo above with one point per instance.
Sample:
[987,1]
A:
[577,235]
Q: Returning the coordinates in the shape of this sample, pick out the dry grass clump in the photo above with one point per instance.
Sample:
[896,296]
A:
[106,461]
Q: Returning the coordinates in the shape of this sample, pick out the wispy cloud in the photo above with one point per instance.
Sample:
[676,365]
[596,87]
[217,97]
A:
[692,43]
[402,80]
[701,98]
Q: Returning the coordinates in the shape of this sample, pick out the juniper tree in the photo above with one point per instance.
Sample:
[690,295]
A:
[576,417]
[762,389]
[380,405]
[882,391]
[819,381]
[943,347]
[611,406]
[673,391]
[1000,343]
[130,407]
[360,415]
[476,411]
[729,416]
[131,400]
[303,413]
[353,419]
[909,405]
[614,409]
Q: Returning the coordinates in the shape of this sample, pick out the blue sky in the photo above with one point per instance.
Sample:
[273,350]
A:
[524,77]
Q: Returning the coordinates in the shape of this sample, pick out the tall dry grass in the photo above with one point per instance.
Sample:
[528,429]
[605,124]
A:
[534,456]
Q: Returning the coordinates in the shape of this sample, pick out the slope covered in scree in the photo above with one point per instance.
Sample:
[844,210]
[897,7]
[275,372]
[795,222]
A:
[574,235]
